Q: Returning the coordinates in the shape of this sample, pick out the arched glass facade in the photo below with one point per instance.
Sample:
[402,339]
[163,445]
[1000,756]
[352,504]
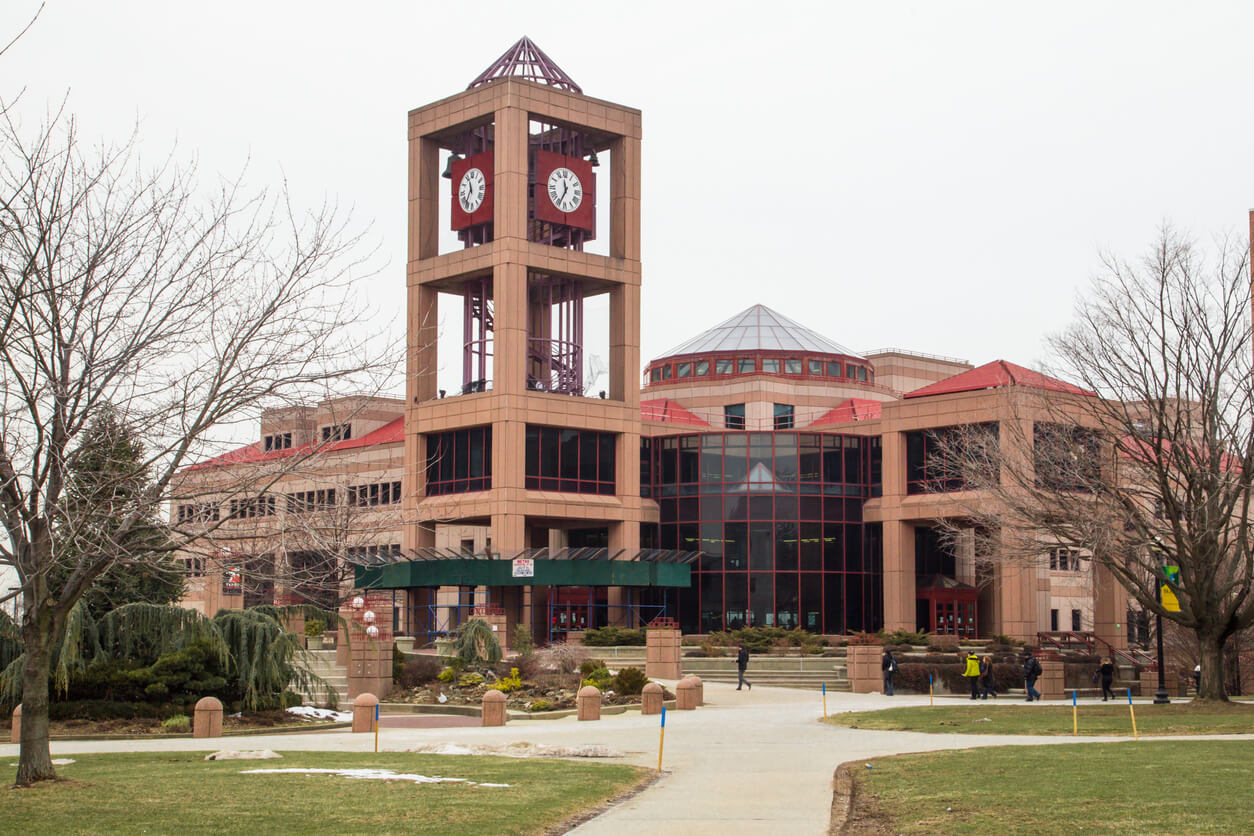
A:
[778,519]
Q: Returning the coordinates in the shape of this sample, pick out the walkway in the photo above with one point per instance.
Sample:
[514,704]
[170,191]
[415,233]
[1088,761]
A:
[754,760]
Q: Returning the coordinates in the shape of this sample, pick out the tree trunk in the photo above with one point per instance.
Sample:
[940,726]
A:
[1212,652]
[34,761]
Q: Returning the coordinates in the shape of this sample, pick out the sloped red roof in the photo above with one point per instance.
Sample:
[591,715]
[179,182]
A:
[670,412]
[996,375]
[390,433]
[854,409]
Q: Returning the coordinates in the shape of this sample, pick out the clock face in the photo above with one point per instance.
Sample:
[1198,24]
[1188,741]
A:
[470,192]
[565,190]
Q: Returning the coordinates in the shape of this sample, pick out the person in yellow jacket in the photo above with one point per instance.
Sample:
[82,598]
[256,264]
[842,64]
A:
[972,673]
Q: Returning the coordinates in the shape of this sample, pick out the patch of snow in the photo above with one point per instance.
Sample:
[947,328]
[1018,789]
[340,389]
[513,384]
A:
[370,774]
[519,749]
[57,762]
[443,699]
[242,755]
[311,713]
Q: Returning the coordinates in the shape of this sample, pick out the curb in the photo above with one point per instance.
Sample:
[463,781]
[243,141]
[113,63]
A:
[234,733]
[843,788]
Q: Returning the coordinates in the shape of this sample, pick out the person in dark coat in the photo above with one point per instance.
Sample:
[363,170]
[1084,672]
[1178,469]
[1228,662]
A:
[1106,672]
[1031,670]
[888,666]
[987,685]
[742,662]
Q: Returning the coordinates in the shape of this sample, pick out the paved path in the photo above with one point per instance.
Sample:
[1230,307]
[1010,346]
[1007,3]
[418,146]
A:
[756,761]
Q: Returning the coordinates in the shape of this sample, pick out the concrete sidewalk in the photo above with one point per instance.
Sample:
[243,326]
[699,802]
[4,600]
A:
[755,759]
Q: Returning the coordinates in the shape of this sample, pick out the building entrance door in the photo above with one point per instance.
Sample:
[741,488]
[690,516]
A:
[570,610]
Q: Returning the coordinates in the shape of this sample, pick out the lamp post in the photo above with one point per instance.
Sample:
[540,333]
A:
[1160,696]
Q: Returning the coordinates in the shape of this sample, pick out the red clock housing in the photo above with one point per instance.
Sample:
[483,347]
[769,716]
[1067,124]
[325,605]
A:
[483,214]
[585,215]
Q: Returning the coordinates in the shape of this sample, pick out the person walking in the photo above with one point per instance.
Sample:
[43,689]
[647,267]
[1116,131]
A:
[1031,670]
[1106,671]
[888,666]
[742,662]
[972,673]
[987,683]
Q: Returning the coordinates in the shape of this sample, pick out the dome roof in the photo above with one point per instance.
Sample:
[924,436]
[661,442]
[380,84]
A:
[759,329]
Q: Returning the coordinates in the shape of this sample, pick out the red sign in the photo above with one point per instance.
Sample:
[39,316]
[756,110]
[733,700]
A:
[472,190]
[232,582]
[565,190]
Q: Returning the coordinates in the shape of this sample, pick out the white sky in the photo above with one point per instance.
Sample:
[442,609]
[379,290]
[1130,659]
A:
[936,176]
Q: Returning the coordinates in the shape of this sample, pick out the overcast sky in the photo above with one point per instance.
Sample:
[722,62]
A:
[935,176]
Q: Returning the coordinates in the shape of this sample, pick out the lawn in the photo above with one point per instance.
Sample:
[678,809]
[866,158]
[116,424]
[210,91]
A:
[1186,786]
[1020,718]
[180,792]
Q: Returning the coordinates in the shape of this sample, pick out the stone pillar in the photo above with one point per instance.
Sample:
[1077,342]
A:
[494,713]
[686,695]
[364,708]
[369,660]
[863,668]
[651,699]
[1052,683]
[207,718]
[899,592]
[700,689]
[662,650]
[1171,680]
[588,703]
[15,733]
[1110,608]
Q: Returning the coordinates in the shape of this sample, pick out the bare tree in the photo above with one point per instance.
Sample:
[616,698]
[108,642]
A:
[1152,468]
[186,310]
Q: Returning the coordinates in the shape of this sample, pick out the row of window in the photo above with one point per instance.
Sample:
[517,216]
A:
[298,502]
[380,493]
[303,502]
[198,512]
[835,602]
[573,461]
[1077,621]
[752,462]
[459,461]
[796,366]
[1064,560]
[373,553]
[277,441]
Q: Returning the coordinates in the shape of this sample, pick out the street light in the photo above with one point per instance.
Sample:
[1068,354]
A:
[1160,696]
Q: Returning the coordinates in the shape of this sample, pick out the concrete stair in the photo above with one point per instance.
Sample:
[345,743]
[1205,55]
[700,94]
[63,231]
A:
[805,672]
[323,664]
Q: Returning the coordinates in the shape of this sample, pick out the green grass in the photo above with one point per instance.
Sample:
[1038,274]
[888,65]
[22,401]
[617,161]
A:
[1013,718]
[1083,788]
[180,792]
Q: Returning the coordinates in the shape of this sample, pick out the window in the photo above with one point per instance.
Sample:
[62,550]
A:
[459,461]
[703,368]
[337,432]
[195,566]
[734,416]
[833,368]
[1066,458]
[862,373]
[816,367]
[685,370]
[365,555]
[783,416]
[1076,623]
[746,365]
[380,493]
[198,512]
[1053,621]
[723,366]
[934,458]
[569,460]
[253,506]
[666,372]
[468,546]
[655,375]
[277,441]
[792,366]
[1064,560]
[770,365]
[303,502]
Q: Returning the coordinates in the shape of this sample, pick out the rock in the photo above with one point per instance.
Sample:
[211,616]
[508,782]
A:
[242,755]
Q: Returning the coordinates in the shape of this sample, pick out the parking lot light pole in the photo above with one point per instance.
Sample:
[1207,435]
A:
[1160,696]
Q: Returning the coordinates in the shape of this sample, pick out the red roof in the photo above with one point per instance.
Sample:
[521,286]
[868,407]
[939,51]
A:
[670,412]
[996,375]
[390,433]
[854,409]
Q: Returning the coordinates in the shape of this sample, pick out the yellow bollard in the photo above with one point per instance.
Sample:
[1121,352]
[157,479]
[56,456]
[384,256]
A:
[661,740]
[930,698]
[1075,718]
[824,700]
[376,728]
[1132,711]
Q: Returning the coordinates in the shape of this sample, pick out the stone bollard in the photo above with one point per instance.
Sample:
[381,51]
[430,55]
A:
[364,708]
[494,708]
[15,734]
[700,686]
[686,695]
[207,718]
[651,699]
[588,701]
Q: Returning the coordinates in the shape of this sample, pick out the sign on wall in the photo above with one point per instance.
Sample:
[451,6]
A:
[232,582]
[524,567]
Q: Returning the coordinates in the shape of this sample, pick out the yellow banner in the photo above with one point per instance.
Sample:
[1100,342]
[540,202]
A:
[1170,602]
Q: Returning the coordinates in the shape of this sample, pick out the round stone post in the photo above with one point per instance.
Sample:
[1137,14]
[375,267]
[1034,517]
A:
[15,734]
[494,708]
[207,718]
[588,701]
[651,699]
[686,695]
[700,688]
[363,712]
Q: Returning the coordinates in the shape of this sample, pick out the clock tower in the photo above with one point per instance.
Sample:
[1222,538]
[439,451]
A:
[521,159]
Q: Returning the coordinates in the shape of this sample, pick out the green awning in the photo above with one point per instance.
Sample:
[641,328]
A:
[547,572]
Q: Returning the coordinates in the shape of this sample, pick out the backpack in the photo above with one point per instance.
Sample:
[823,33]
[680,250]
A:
[1034,667]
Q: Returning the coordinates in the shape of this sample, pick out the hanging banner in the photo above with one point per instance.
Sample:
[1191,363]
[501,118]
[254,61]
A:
[232,582]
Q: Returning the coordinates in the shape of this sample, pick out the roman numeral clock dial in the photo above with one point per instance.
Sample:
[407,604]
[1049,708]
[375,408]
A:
[565,190]
[470,192]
